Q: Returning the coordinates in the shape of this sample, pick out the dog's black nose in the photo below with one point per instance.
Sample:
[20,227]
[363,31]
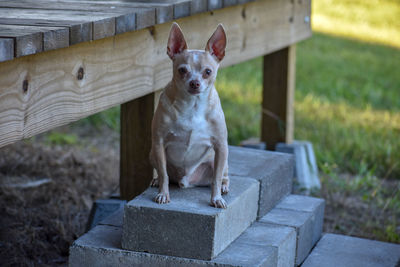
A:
[194,84]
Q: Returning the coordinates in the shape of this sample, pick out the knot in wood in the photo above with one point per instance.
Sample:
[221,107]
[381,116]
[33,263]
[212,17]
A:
[80,74]
[152,30]
[25,86]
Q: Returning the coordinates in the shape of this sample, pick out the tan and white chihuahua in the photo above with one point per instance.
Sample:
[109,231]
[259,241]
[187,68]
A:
[189,136]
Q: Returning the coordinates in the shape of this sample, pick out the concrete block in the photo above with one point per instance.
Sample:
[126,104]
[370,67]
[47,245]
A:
[101,209]
[273,170]
[260,245]
[345,251]
[312,205]
[301,222]
[114,219]
[253,143]
[282,238]
[188,226]
[305,171]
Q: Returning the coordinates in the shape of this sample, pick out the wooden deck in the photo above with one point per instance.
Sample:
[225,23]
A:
[32,26]
[64,60]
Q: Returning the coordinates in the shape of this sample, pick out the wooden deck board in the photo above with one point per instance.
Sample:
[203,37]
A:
[92,20]
[79,31]
[6,49]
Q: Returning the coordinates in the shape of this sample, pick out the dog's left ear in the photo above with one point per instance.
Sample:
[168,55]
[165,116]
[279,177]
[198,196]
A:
[217,43]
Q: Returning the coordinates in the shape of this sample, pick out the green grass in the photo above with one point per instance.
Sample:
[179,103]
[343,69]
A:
[348,103]
[374,21]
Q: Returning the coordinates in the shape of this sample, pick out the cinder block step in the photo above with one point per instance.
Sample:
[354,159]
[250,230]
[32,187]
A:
[188,226]
[260,245]
[305,215]
[273,170]
[101,209]
[346,251]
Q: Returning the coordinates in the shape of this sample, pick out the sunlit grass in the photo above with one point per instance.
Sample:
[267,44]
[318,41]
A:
[351,138]
[372,21]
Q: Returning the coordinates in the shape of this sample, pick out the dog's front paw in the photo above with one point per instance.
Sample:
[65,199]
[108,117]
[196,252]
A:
[218,202]
[154,182]
[224,189]
[162,198]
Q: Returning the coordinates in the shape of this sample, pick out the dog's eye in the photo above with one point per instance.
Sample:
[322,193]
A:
[182,70]
[207,72]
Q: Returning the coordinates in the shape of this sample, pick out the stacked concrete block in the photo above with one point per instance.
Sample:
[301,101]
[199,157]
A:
[305,171]
[273,170]
[314,207]
[281,238]
[189,232]
[188,226]
[260,245]
[101,209]
[346,251]
[305,215]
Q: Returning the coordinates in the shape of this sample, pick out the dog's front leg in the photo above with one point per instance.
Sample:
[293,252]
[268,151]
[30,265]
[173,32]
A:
[160,164]
[221,155]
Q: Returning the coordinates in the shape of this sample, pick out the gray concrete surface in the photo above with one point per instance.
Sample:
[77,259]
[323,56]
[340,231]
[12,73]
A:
[316,206]
[305,171]
[346,251]
[273,170]
[300,221]
[282,238]
[114,219]
[260,245]
[101,209]
[188,226]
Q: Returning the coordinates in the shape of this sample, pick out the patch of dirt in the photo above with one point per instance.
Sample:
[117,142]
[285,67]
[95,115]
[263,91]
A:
[38,222]
[363,214]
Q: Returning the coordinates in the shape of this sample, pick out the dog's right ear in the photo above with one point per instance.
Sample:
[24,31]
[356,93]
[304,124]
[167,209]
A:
[176,41]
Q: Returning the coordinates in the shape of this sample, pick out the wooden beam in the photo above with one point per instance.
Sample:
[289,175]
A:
[278,97]
[43,91]
[135,169]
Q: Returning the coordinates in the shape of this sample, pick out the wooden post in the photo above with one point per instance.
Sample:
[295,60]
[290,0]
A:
[135,169]
[278,97]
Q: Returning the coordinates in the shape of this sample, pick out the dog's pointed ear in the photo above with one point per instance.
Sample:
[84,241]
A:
[217,43]
[176,41]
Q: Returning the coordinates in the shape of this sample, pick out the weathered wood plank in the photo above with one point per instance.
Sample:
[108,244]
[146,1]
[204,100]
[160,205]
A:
[127,66]
[198,6]
[26,42]
[79,31]
[6,49]
[181,7]
[136,171]
[32,42]
[103,23]
[164,11]
[227,3]
[214,4]
[278,97]
[124,14]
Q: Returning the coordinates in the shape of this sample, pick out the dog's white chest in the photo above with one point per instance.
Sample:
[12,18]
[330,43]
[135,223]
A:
[189,140]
